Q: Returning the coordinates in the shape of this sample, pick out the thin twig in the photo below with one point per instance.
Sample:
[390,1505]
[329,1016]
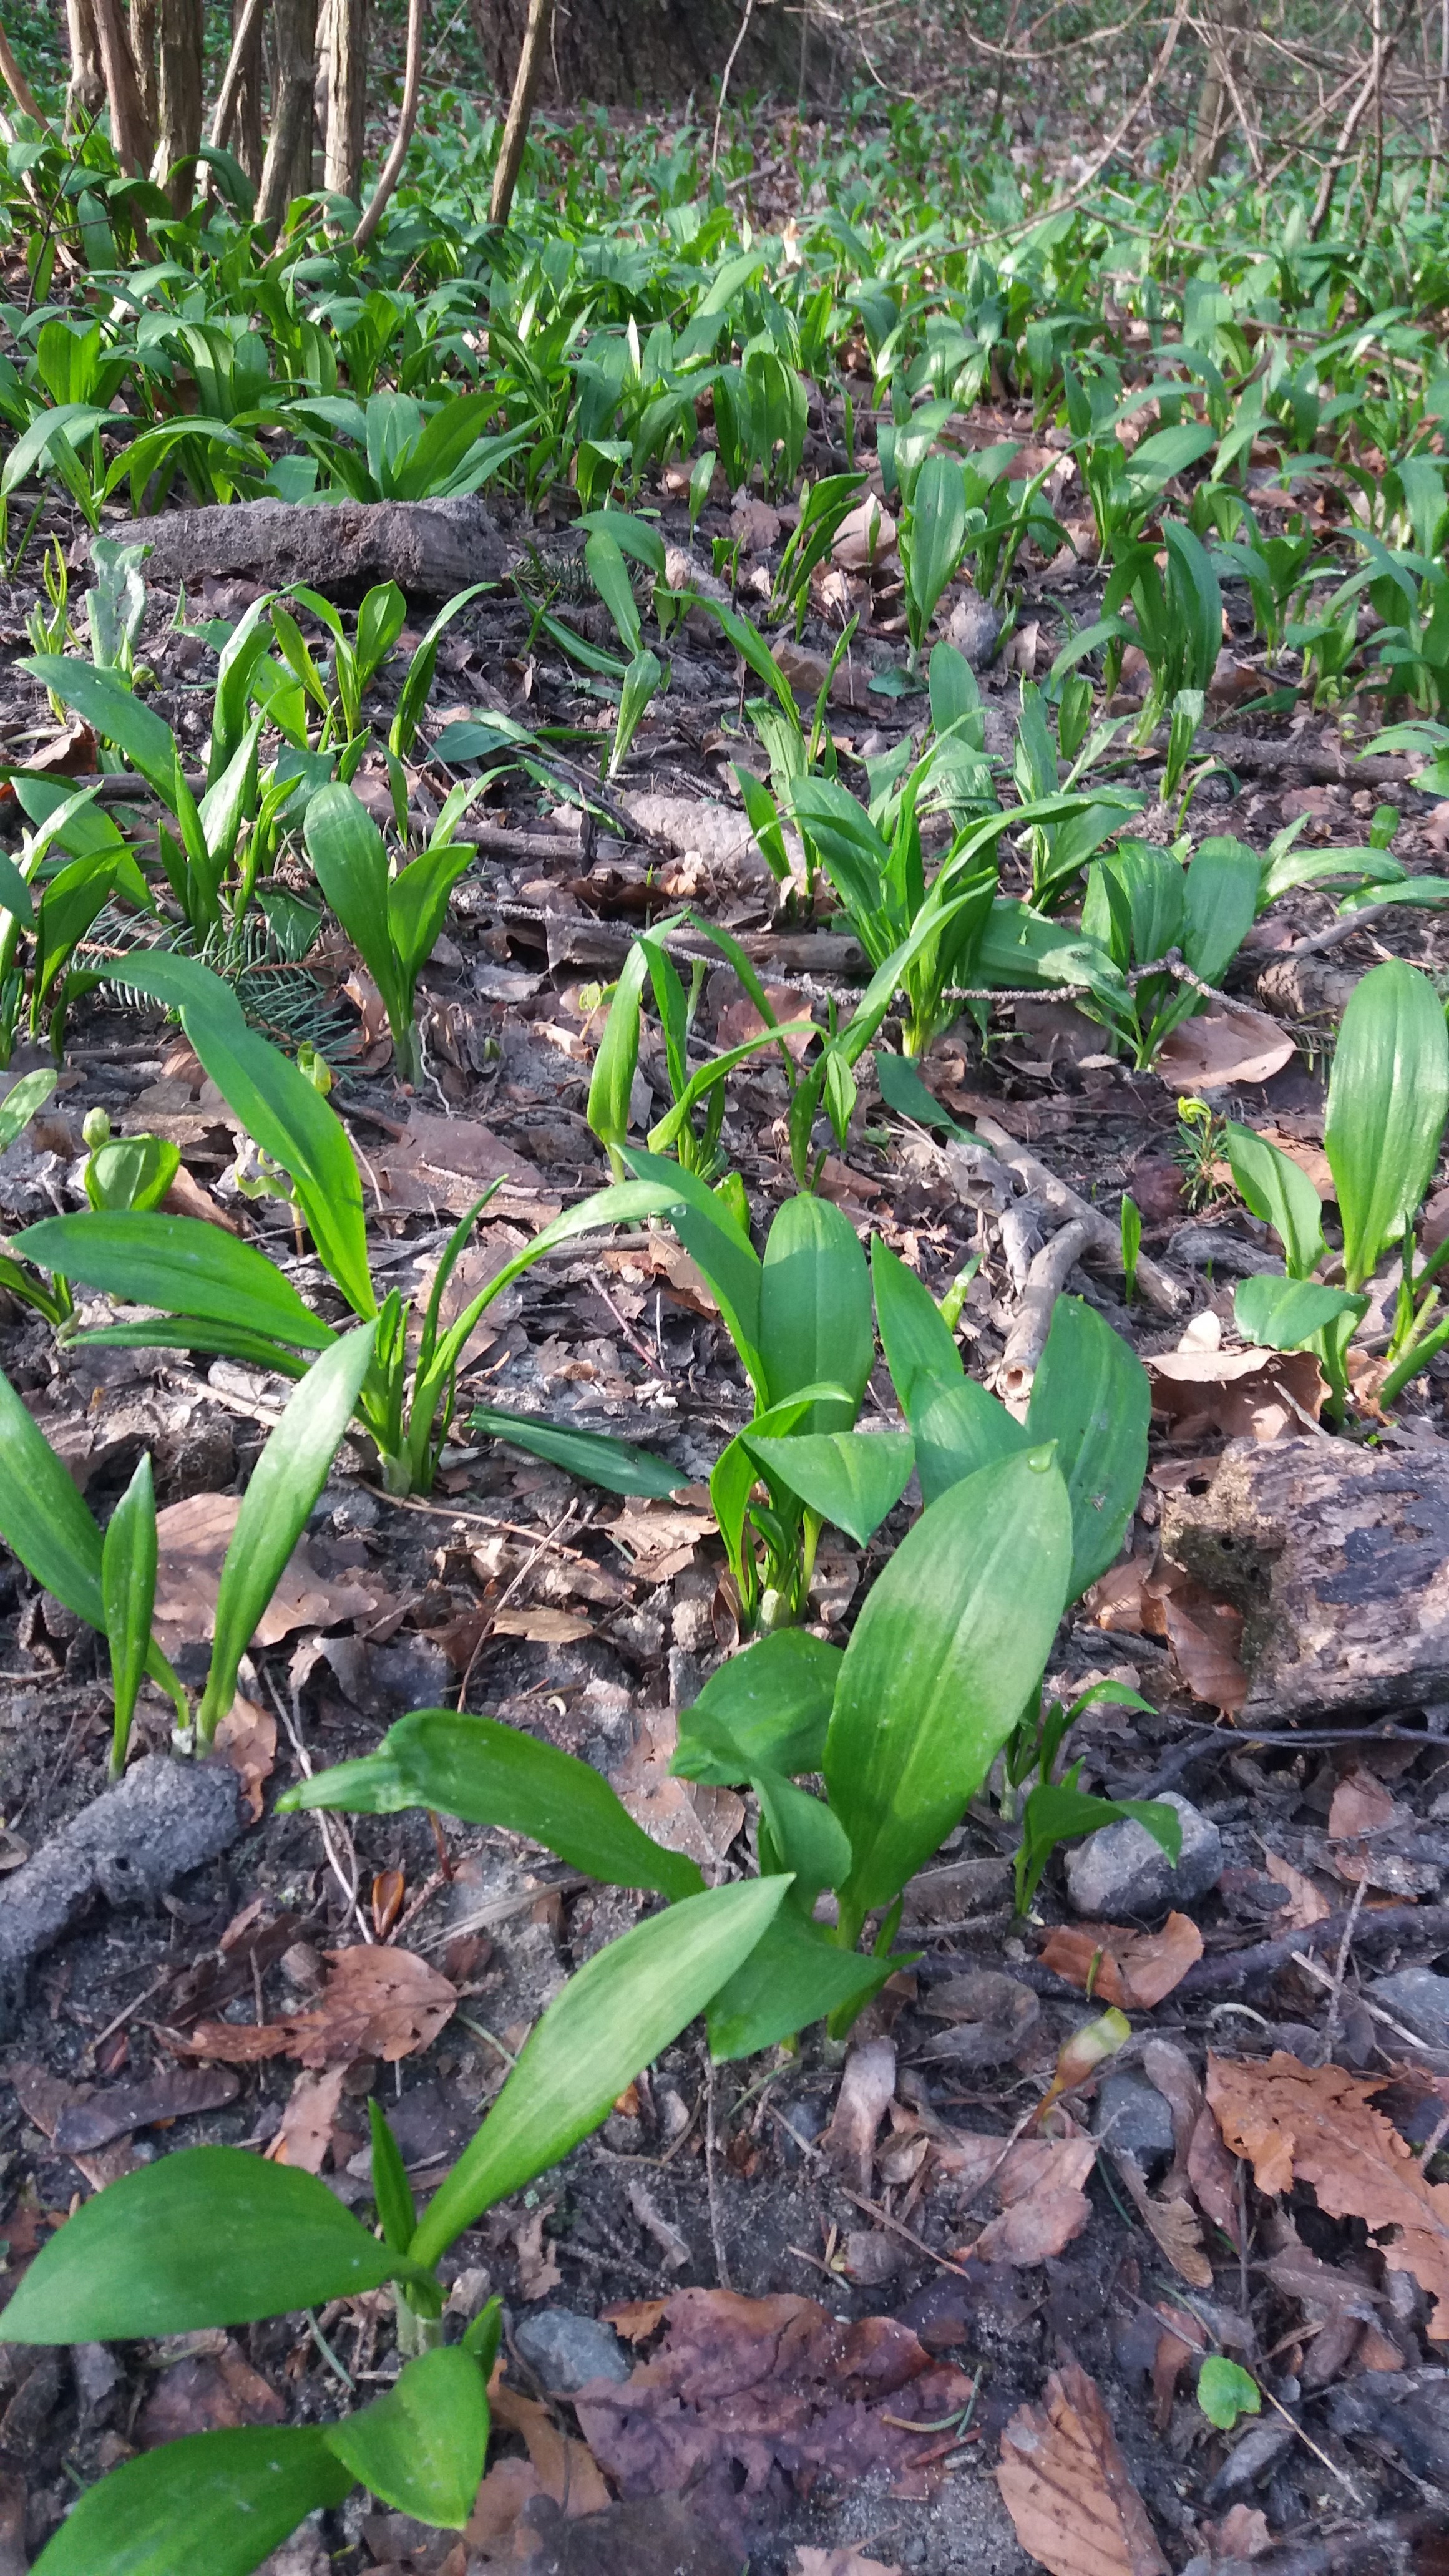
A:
[721,2265]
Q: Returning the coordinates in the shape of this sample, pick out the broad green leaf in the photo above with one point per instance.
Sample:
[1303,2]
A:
[21,1102]
[610,576]
[491,1774]
[42,1517]
[1281,1314]
[902,1090]
[1058,1811]
[851,850]
[1221,893]
[815,1309]
[852,1478]
[1091,1396]
[207,2236]
[391,2189]
[421,2447]
[108,705]
[1279,1193]
[934,533]
[177,1263]
[808,1840]
[595,1457]
[280,1109]
[612,1083]
[1388,1096]
[916,1339]
[221,2502]
[958,1428]
[720,1248]
[612,2018]
[285,1483]
[767,1709]
[794,1976]
[951,1643]
[417,902]
[128,1588]
[60,427]
[347,852]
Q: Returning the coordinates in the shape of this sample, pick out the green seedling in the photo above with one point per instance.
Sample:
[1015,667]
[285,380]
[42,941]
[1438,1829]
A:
[1225,2391]
[640,682]
[1131,1246]
[393,919]
[1142,906]
[128,1596]
[126,1171]
[210,2237]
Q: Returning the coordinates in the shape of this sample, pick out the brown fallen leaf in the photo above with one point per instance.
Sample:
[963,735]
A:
[444,1163]
[186,1197]
[1038,2183]
[866,2088]
[1242,1395]
[635,2319]
[538,2271]
[192,1539]
[1361,1805]
[658,1538]
[1337,2306]
[745,2393]
[1317,2124]
[247,1739]
[46,2098]
[1065,2485]
[210,2392]
[376,2003]
[1306,1904]
[1222,1047]
[72,754]
[541,1625]
[1119,1966]
[1242,2533]
[685,1815]
[1214,2177]
[1172,2223]
[178,2093]
[308,2120]
[864,537]
[756,524]
[566,2469]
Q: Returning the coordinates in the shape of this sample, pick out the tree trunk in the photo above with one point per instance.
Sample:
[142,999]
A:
[179,97]
[346,97]
[87,91]
[144,14]
[287,172]
[613,53]
[131,129]
[245,138]
[520,109]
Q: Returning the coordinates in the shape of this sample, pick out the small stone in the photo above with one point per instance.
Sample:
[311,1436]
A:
[567,2351]
[1419,1999]
[1121,1871]
[974,627]
[1134,2118]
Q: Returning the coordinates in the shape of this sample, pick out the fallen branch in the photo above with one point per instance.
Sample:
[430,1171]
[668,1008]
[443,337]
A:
[1102,1236]
[1045,1280]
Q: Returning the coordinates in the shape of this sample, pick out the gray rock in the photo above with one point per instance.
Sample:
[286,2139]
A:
[1133,2117]
[1121,1871]
[974,627]
[567,2351]
[1419,1999]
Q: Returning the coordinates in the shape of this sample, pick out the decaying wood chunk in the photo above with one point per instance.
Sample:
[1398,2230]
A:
[1338,1558]
[429,548]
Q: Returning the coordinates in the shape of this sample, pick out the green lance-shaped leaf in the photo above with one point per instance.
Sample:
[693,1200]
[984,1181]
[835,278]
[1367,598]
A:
[487,1773]
[1279,1193]
[24,1097]
[218,2501]
[1057,1811]
[851,1478]
[347,852]
[421,2446]
[595,1457]
[767,1709]
[391,2188]
[42,1517]
[128,1590]
[944,1657]
[794,1976]
[284,1113]
[110,707]
[815,1310]
[612,1085]
[721,1249]
[1282,1314]
[179,1264]
[958,1429]
[914,1334]
[1388,1096]
[611,2019]
[935,535]
[286,1481]
[1090,1395]
[205,2237]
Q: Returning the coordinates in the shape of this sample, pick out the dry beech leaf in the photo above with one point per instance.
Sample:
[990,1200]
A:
[866,2088]
[209,2392]
[376,2003]
[1065,2485]
[566,2469]
[1119,1966]
[1361,1805]
[1039,2183]
[1172,2223]
[1317,2124]
[685,1815]
[659,1539]
[307,2122]
[192,1539]
[864,536]
[1223,1046]
[538,2271]
[247,1739]
[1214,2177]
[541,1625]
[1306,1905]
[1242,2533]
[1243,1395]
[635,2319]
